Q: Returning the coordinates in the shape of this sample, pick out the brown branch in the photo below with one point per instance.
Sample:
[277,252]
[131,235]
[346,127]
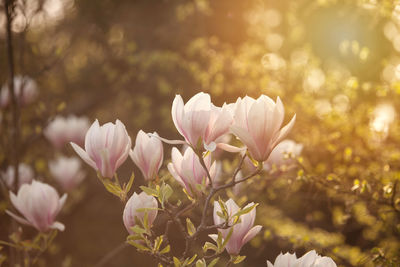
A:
[15,112]
[110,255]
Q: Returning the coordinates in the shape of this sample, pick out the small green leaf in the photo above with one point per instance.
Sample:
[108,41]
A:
[209,246]
[138,230]
[213,262]
[191,259]
[177,262]
[149,191]
[130,183]
[168,192]
[228,237]
[158,242]
[201,263]
[139,246]
[237,259]
[190,227]
[166,249]
[245,210]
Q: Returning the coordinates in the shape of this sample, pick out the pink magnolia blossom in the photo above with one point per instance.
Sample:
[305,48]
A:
[242,232]
[310,259]
[25,175]
[135,202]
[106,147]
[39,203]
[200,121]
[148,154]
[63,130]
[257,123]
[67,172]
[284,260]
[187,170]
[25,90]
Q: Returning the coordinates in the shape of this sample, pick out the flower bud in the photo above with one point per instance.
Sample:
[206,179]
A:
[64,130]
[257,123]
[106,147]
[188,171]
[67,172]
[39,203]
[242,232]
[131,214]
[147,154]
[25,175]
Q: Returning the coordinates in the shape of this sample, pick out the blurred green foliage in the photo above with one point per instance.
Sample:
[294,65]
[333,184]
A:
[333,62]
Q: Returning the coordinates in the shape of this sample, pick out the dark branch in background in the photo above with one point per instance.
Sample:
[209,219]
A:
[15,112]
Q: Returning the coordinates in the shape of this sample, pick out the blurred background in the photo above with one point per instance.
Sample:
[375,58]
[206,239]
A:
[335,63]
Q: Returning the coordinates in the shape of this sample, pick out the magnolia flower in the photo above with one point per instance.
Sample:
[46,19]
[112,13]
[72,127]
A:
[25,175]
[107,147]
[310,259]
[148,154]
[242,232]
[188,171]
[39,203]
[199,121]
[67,172]
[62,130]
[25,91]
[286,147]
[132,215]
[257,123]
[284,260]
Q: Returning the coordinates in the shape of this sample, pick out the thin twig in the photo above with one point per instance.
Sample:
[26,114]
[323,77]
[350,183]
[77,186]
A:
[203,164]
[110,255]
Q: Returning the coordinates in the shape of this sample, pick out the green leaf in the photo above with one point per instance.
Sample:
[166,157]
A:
[167,192]
[227,238]
[191,259]
[149,191]
[166,249]
[201,263]
[134,237]
[190,227]
[130,183]
[237,259]
[209,246]
[213,262]
[157,243]
[138,230]
[223,209]
[177,262]
[245,210]
[139,246]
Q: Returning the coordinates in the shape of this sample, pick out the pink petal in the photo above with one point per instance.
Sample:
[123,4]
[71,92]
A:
[18,218]
[252,233]
[82,153]
[57,225]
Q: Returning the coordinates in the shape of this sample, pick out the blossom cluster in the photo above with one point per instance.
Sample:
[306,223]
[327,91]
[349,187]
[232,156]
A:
[205,129]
